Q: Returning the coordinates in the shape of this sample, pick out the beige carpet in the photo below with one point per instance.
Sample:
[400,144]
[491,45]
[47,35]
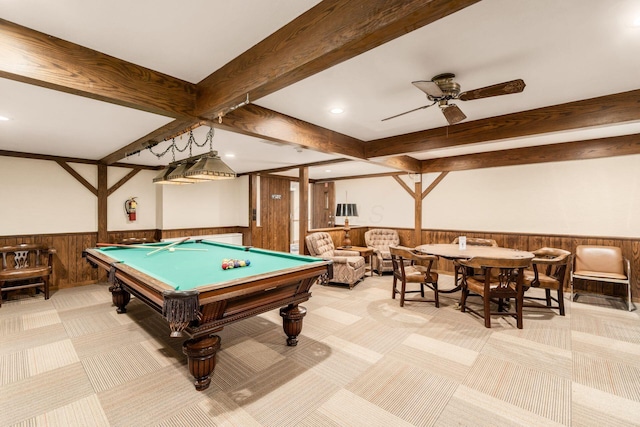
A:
[361,361]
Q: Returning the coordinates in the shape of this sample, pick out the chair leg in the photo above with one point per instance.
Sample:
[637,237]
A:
[46,287]
[435,294]
[487,311]
[561,301]
[463,299]
[403,289]
[547,293]
[394,290]
[519,303]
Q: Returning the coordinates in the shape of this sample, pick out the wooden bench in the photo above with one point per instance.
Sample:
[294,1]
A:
[27,265]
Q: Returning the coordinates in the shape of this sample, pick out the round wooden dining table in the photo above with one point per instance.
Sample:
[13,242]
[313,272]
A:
[453,251]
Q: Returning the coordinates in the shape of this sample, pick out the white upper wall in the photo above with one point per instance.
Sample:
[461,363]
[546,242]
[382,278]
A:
[599,197]
[381,202]
[38,196]
[210,204]
[142,188]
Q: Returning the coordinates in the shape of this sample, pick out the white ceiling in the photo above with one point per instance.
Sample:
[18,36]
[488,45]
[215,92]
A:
[564,51]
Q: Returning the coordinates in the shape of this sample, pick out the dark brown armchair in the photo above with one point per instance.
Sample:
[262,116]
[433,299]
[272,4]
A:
[410,267]
[471,241]
[27,265]
[495,281]
[549,272]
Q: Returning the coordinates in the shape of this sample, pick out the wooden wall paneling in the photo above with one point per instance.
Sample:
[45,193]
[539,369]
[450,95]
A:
[275,211]
[323,205]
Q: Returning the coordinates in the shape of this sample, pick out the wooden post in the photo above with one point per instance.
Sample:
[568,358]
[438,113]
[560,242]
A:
[102,203]
[303,213]
[417,197]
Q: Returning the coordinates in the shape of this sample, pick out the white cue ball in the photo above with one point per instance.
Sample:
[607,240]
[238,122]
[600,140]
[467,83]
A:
[172,249]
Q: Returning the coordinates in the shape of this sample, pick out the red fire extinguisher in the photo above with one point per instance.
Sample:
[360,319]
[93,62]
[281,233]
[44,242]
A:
[130,208]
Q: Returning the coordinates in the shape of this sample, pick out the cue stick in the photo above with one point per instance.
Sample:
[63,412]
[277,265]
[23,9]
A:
[117,245]
[169,246]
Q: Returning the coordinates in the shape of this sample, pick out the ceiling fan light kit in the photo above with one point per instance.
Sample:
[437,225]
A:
[443,88]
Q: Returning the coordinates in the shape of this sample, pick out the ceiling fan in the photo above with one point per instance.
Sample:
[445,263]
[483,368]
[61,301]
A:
[442,88]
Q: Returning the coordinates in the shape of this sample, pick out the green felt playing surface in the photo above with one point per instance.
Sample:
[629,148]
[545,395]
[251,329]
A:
[190,269]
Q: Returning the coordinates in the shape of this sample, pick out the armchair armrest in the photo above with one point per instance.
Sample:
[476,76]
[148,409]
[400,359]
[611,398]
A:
[343,252]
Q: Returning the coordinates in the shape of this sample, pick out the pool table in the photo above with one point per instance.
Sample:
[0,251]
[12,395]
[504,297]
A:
[186,283]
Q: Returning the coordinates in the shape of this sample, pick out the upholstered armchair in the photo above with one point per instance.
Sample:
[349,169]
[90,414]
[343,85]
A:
[348,266]
[380,239]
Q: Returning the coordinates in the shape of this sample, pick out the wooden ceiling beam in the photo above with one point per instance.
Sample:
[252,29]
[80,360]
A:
[604,110]
[327,34]
[36,58]
[263,123]
[579,150]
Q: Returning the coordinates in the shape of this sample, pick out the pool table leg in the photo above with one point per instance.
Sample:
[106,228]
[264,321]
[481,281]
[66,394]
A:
[292,322]
[120,298]
[201,355]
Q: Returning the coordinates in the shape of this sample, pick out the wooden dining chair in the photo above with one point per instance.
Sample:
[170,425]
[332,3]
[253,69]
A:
[550,271]
[471,241]
[411,267]
[494,280]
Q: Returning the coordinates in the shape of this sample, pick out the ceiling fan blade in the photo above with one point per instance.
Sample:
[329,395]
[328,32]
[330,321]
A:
[429,87]
[407,112]
[506,88]
[453,114]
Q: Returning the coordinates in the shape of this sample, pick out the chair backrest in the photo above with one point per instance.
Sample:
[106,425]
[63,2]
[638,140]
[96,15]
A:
[402,256]
[320,244]
[381,238]
[398,256]
[477,241]
[602,259]
[503,272]
[555,263]
[24,255]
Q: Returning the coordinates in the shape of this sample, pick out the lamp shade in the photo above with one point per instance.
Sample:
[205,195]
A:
[163,177]
[177,175]
[346,209]
[210,167]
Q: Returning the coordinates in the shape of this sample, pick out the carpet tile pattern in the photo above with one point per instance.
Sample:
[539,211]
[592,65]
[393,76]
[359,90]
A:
[361,361]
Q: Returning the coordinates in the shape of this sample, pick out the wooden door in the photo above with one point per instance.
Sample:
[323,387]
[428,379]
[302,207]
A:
[275,204]
[323,204]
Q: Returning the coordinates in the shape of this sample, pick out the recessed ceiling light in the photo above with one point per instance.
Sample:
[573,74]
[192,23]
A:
[230,155]
[327,170]
[3,118]
[337,110]
[636,22]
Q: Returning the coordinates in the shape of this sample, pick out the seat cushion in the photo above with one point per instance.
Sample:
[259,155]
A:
[477,286]
[546,282]
[417,274]
[24,273]
[601,274]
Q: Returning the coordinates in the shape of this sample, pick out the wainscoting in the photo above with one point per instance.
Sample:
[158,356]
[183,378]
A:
[70,269]
[528,242]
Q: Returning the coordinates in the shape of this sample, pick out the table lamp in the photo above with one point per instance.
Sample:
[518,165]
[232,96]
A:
[346,210]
